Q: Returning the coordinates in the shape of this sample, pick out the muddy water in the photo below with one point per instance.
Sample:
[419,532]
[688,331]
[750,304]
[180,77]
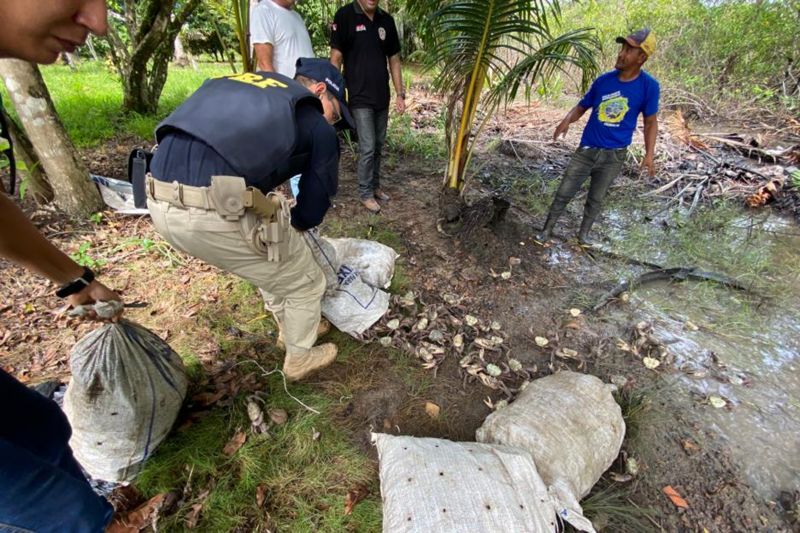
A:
[745,351]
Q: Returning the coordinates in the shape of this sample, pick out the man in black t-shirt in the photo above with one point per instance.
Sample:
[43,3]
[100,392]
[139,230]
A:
[364,39]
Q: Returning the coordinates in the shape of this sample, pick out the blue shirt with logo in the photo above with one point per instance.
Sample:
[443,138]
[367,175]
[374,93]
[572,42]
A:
[616,106]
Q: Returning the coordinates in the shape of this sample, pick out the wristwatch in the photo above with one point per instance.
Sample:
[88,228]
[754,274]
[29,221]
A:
[77,285]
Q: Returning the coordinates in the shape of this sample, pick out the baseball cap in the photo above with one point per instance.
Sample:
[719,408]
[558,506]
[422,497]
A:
[643,39]
[322,70]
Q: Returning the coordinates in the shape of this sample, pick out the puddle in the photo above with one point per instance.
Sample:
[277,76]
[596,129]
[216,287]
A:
[745,350]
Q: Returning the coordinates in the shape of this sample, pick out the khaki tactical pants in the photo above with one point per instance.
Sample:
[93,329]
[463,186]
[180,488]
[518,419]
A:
[292,286]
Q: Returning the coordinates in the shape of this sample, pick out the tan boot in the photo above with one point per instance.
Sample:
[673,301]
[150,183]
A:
[322,330]
[297,367]
[380,195]
[371,205]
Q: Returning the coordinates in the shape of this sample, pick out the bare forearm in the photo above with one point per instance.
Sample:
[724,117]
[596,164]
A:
[650,136]
[336,58]
[574,114]
[23,244]
[396,70]
[264,57]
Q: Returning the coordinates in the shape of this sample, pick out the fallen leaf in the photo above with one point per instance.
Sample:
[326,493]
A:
[514,261]
[206,399]
[690,446]
[676,498]
[514,365]
[432,409]
[385,341]
[651,363]
[393,324]
[493,370]
[691,325]
[575,312]
[261,495]
[632,466]
[278,416]
[315,435]
[139,518]
[458,341]
[541,341]
[236,442]
[505,275]
[621,478]
[566,353]
[718,402]
[353,497]
[194,515]
[470,320]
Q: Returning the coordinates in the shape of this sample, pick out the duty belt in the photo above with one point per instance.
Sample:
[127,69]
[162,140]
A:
[227,195]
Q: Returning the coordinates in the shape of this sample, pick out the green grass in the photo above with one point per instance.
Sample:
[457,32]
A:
[404,138]
[306,480]
[89,100]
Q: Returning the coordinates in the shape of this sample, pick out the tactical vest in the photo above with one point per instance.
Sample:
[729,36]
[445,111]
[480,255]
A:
[249,119]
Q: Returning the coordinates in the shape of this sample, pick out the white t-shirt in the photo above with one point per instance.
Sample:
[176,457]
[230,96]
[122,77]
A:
[285,30]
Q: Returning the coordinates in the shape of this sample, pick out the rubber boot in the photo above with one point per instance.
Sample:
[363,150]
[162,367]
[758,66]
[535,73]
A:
[297,367]
[547,231]
[583,233]
[323,328]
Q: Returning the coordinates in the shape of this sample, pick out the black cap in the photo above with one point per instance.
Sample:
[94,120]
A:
[322,70]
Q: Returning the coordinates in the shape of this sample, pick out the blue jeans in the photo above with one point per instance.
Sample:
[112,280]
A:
[371,126]
[42,488]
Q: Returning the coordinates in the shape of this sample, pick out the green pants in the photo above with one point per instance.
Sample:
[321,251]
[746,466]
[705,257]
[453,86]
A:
[603,166]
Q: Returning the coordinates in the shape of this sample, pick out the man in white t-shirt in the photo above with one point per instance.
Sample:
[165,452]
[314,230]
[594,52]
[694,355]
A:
[279,36]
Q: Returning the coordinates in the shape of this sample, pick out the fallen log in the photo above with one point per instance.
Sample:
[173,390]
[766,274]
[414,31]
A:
[668,274]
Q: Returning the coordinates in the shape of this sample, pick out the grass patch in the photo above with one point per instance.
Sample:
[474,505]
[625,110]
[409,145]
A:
[306,480]
[89,99]
[610,509]
[405,138]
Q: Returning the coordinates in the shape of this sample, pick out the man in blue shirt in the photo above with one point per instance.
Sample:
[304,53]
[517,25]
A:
[616,100]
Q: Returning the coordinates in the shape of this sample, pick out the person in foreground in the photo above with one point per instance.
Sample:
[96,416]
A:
[43,488]
[616,99]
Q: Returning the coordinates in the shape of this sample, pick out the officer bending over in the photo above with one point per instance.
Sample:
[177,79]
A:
[221,154]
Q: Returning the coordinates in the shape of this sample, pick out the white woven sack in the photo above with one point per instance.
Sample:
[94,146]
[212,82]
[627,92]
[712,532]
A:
[126,390]
[570,424]
[439,486]
[349,303]
[373,260]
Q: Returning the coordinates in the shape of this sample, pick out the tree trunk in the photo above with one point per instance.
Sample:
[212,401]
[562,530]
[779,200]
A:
[143,60]
[34,177]
[182,57]
[73,190]
[90,45]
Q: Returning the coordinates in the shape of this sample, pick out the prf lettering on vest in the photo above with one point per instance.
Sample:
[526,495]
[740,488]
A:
[256,80]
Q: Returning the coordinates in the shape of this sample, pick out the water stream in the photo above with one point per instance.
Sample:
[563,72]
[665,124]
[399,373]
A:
[726,343]
[743,349]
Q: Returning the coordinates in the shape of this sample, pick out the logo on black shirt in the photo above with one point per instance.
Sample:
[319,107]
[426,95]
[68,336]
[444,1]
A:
[382,34]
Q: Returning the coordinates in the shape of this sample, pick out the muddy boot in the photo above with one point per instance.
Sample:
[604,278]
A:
[547,231]
[297,367]
[583,233]
[323,329]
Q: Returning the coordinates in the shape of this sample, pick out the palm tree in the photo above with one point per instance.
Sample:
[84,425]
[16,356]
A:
[241,16]
[483,52]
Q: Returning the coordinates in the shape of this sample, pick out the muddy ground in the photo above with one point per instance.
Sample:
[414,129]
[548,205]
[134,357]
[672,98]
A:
[671,444]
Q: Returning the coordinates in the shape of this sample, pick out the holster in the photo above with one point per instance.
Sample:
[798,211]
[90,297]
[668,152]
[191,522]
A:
[228,195]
